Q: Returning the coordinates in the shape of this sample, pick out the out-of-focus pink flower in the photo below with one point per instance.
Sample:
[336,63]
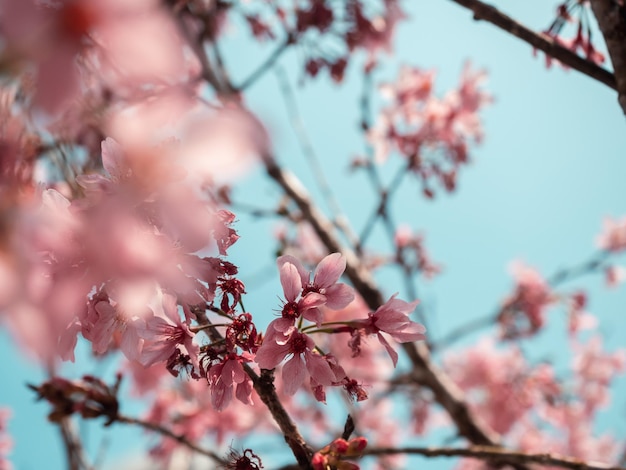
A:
[406,240]
[6,443]
[614,275]
[393,318]
[304,361]
[531,297]
[613,236]
[419,125]
[595,371]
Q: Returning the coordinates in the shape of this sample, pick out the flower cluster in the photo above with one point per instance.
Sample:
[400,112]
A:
[288,337]
[432,134]
[523,312]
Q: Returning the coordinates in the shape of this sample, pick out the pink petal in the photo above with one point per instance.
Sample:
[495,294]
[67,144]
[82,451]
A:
[244,392]
[270,354]
[312,300]
[339,296]
[113,158]
[329,270]
[319,369]
[304,274]
[392,353]
[170,309]
[291,282]
[294,374]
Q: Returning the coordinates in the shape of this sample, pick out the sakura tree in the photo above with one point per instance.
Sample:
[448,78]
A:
[188,263]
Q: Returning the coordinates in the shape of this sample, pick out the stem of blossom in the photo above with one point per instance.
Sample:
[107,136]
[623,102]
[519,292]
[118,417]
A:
[181,439]
[196,329]
[495,455]
[483,11]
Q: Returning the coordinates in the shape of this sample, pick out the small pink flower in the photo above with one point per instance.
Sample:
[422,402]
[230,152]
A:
[393,318]
[336,295]
[225,376]
[613,236]
[167,334]
[303,362]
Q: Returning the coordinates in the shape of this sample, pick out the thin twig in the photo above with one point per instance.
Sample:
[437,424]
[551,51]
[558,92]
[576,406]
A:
[496,455]
[311,156]
[543,42]
[181,439]
[267,64]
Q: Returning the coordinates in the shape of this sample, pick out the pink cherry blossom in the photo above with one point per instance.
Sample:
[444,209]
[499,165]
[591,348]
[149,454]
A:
[325,278]
[393,318]
[304,361]
[523,313]
[166,334]
[613,236]
[226,376]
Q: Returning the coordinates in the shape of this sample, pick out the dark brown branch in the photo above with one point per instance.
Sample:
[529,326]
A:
[496,455]
[612,21]
[172,435]
[264,386]
[483,11]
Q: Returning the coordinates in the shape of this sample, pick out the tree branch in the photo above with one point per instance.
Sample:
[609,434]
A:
[267,64]
[483,11]
[76,458]
[496,455]
[611,18]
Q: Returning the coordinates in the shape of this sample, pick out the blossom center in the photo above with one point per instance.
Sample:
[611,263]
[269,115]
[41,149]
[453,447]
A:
[290,310]
[298,344]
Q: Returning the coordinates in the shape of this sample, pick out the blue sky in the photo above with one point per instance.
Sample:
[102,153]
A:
[551,167]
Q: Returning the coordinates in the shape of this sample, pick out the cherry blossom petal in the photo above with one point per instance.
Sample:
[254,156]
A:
[339,296]
[291,282]
[329,270]
[304,274]
[392,353]
[319,369]
[294,374]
